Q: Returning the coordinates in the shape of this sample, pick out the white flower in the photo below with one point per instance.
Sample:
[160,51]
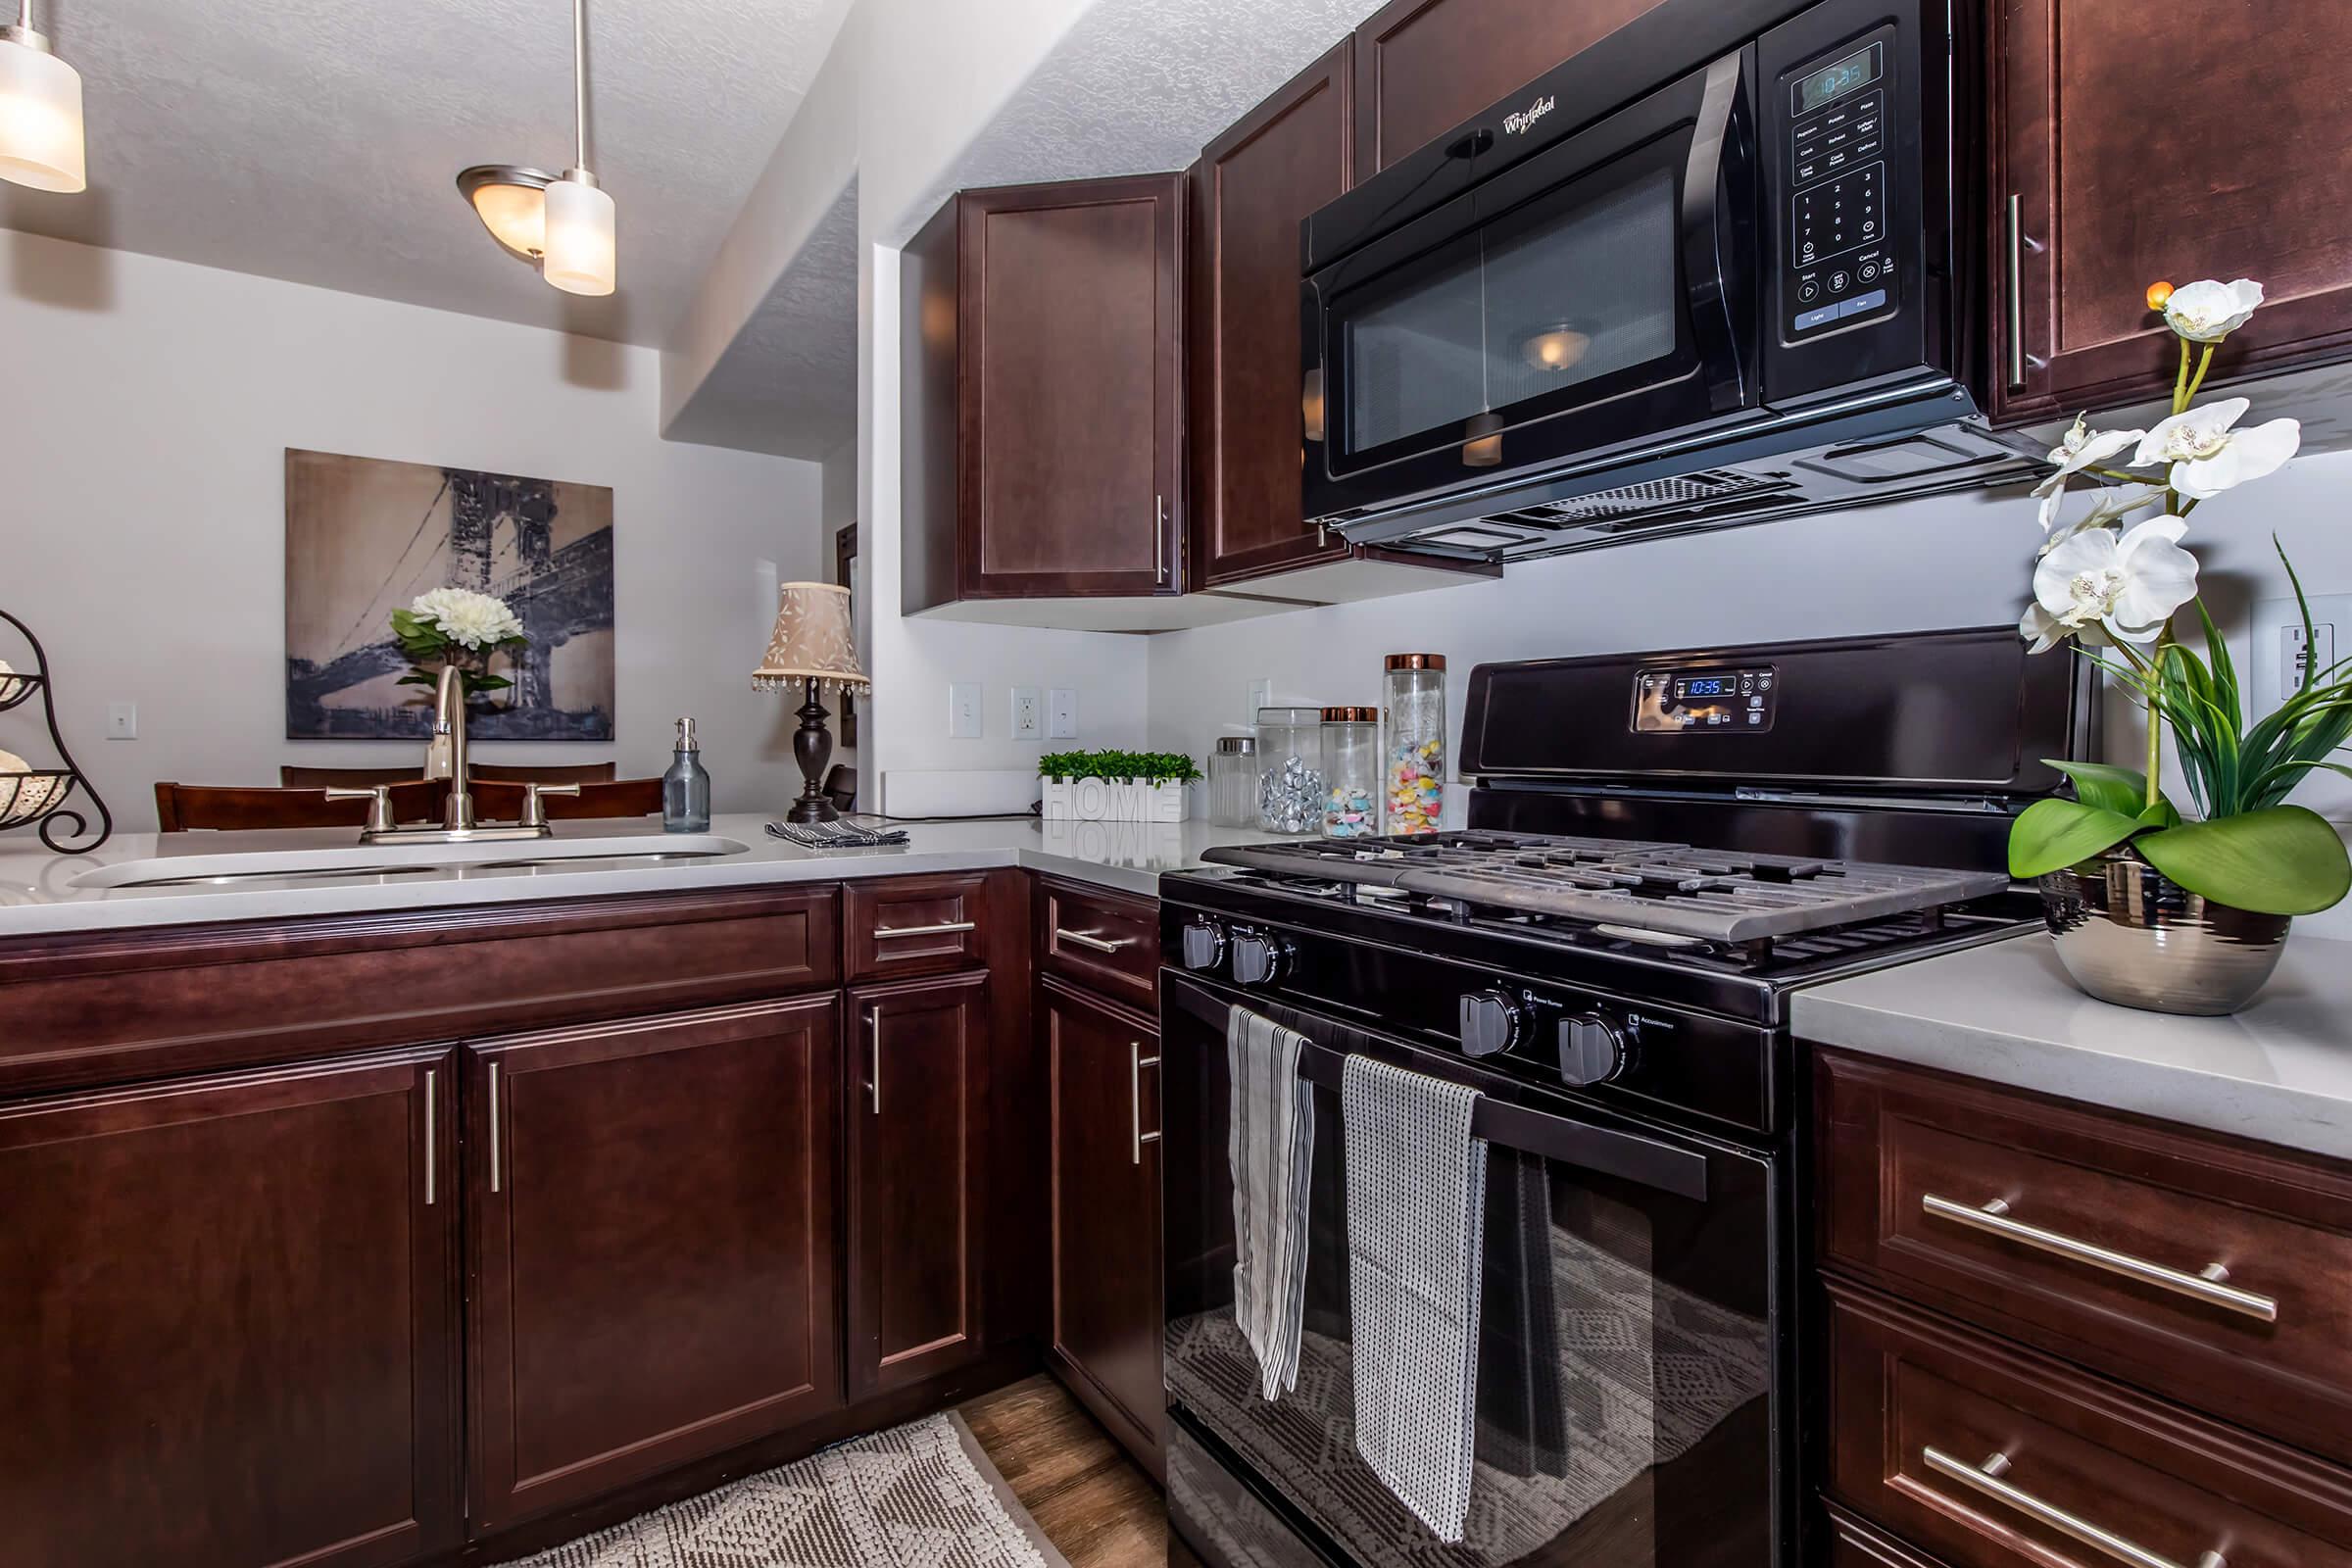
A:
[468,619]
[2208,311]
[2129,585]
[2113,504]
[2208,456]
[2077,450]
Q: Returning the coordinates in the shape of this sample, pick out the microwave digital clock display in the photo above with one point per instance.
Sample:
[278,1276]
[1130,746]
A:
[1857,69]
[1670,702]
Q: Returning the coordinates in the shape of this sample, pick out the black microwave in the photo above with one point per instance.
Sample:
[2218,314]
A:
[1725,265]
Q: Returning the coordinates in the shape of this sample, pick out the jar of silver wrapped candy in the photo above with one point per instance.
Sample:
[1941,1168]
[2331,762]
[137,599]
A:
[1290,769]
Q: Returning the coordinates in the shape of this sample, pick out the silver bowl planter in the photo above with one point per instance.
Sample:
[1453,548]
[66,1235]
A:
[2131,935]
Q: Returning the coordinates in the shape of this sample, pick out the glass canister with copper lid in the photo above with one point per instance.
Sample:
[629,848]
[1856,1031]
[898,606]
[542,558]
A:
[1414,785]
[1351,772]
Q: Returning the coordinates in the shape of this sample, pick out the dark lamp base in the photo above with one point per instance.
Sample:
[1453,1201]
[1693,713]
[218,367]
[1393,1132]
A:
[812,749]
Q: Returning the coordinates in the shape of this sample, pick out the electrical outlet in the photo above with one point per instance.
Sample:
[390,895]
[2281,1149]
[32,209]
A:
[121,721]
[963,711]
[2298,658]
[2282,664]
[1062,713]
[1261,694]
[1028,713]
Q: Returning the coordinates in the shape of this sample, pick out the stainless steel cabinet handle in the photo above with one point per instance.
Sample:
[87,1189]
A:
[1987,1479]
[428,1137]
[1159,538]
[494,1126]
[2210,1285]
[1137,1062]
[939,930]
[2016,280]
[1087,939]
[873,1083]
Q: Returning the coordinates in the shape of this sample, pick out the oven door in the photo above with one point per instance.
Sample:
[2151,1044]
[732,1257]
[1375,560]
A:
[1627,1414]
[1596,293]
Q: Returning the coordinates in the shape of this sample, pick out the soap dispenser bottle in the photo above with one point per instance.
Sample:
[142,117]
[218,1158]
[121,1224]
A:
[686,788]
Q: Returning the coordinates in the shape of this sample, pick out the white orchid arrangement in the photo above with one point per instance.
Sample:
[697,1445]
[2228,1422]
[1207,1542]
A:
[2116,589]
[456,628]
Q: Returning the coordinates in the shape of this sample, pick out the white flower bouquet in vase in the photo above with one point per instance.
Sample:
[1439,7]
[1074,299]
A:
[2153,907]
[455,629]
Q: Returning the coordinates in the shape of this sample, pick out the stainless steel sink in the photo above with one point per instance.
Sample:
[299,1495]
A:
[382,861]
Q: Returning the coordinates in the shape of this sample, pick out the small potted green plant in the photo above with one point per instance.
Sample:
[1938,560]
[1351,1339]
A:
[1111,786]
[2153,907]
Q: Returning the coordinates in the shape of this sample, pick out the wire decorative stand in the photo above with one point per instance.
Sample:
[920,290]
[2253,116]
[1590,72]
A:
[41,795]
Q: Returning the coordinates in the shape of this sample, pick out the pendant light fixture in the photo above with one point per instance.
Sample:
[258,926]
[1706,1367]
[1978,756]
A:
[40,111]
[562,224]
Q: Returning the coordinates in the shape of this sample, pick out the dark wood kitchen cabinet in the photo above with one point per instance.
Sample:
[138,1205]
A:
[231,1319]
[916,1107]
[1104,1061]
[1423,66]
[651,1216]
[2210,147]
[1041,420]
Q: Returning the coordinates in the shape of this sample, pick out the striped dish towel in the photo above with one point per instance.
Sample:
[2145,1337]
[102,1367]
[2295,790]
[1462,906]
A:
[1271,1149]
[1416,1212]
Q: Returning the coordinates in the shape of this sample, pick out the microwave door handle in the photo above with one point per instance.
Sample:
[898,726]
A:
[1719,232]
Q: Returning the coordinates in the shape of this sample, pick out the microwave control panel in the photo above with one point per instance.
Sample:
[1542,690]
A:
[1833,139]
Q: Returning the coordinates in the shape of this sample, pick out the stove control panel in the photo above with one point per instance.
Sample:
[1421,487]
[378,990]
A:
[1741,701]
[1840,268]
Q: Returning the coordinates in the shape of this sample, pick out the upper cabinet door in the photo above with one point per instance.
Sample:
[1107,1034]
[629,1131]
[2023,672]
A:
[1071,377]
[231,1320]
[1423,66]
[1253,184]
[2202,150]
[652,1234]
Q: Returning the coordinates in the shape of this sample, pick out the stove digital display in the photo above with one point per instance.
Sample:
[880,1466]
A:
[1741,701]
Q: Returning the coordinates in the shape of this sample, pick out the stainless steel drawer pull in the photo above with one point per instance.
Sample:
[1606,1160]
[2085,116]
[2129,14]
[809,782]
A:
[1159,538]
[2015,281]
[944,928]
[429,1097]
[1087,939]
[2210,1285]
[494,1126]
[1987,1479]
[873,1023]
[1137,1062]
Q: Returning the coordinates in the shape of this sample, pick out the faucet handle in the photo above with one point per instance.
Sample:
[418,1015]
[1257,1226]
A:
[534,814]
[379,807]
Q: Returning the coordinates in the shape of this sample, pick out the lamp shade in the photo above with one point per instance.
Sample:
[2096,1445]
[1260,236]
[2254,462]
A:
[40,115]
[812,642]
[580,247]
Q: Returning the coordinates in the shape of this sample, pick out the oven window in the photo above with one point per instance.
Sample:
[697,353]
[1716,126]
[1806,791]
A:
[1577,286]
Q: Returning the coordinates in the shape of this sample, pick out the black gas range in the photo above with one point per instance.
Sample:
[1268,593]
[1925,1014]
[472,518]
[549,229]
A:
[1663,849]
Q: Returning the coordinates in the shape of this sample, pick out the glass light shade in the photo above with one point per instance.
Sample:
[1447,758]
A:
[514,215]
[580,248]
[1555,348]
[1484,449]
[40,120]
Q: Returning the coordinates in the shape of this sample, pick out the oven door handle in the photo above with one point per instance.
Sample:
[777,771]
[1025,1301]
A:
[1610,1151]
[1719,231]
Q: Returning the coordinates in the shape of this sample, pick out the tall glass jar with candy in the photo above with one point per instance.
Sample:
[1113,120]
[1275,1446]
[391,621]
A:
[1414,767]
[1351,772]
[1290,769]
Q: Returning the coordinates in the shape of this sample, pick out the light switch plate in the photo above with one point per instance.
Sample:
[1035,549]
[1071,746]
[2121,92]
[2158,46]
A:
[121,721]
[963,711]
[1261,694]
[1062,713]
[1028,713]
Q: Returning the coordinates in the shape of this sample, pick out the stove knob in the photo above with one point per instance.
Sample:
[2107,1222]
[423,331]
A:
[1203,945]
[1492,1023]
[1592,1050]
[1259,961]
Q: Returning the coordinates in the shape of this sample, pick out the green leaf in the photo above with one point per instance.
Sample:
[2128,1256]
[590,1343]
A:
[2282,861]
[2053,835]
[1154,768]
[2161,814]
[2122,790]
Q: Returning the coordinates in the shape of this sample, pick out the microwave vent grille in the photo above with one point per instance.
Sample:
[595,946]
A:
[1633,502]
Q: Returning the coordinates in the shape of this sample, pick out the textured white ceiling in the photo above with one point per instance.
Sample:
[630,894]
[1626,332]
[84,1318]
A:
[318,140]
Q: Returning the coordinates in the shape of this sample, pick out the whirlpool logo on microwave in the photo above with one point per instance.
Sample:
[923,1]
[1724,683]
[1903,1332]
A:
[1513,124]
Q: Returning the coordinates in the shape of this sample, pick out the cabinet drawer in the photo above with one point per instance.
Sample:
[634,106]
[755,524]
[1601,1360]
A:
[913,925]
[1100,941]
[2097,1236]
[1852,1543]
[1994,1457]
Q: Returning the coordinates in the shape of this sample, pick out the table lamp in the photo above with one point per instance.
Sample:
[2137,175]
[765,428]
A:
[811,648]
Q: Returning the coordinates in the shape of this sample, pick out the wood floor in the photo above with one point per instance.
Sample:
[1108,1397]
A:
[1086,1494]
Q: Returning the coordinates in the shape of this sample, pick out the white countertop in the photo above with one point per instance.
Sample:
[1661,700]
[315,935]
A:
[2279,1073]
[37,892]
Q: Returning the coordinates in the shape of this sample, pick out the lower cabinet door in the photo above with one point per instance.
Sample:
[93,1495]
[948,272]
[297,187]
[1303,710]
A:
[1104,1063]
[230,1321]
[918,1085]
[650,1216]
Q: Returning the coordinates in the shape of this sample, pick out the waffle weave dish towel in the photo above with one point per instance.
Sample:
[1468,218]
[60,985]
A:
[1271,1149]
[1416,1211]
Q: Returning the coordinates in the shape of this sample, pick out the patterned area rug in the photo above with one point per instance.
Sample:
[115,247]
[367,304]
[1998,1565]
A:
[923,1494]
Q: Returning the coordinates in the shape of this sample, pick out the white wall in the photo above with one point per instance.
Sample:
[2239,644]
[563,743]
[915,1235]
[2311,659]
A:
[145,408]
[1940,561]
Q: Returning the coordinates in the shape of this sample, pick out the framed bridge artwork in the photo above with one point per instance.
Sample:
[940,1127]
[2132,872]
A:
[365,536]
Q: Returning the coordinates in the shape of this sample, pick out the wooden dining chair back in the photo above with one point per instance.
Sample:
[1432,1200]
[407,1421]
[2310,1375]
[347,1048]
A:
[193,808]
[344,778]
[361,778]
[544,773]
[498,802]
